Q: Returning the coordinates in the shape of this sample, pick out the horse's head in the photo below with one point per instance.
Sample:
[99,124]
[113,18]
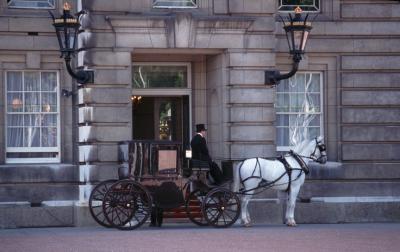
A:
[319,153]
[315,150]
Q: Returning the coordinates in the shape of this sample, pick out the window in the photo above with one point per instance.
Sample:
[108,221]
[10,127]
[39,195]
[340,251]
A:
[160,76]
[305,5]
[298,109]
[32,4]
[174,4]
[32,117]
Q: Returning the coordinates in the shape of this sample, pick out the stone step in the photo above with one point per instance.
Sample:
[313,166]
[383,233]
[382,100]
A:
[18,216]
[341,188]
[38,192]
[342,171]
[31,173]
[349,188]
[322,212]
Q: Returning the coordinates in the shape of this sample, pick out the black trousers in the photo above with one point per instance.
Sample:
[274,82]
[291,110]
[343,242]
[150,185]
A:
[216,173]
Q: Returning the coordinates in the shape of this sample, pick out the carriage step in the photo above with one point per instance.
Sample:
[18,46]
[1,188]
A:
[180,212]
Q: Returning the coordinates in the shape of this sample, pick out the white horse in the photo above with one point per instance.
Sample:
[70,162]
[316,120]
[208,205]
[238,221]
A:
[258,173]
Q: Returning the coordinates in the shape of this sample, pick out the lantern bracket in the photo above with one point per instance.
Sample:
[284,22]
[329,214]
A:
[297,30]
[273,77]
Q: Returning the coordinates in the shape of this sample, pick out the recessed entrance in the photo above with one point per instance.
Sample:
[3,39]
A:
[161,118]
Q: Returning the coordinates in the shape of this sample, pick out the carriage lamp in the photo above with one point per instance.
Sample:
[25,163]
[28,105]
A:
[67,30]
[297,30]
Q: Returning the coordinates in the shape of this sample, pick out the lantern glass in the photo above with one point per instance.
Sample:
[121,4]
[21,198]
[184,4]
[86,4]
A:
[297,30]
[67,34]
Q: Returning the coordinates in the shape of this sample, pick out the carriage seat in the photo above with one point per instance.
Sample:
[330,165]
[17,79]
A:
[199,165]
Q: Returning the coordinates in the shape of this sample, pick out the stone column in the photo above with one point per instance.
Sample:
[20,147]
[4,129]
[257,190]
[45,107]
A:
[105,117]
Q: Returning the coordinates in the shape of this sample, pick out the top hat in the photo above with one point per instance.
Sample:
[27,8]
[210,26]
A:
[200,127]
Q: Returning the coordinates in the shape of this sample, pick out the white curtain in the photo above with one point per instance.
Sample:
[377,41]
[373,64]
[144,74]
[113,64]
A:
[298,109]
[32,109]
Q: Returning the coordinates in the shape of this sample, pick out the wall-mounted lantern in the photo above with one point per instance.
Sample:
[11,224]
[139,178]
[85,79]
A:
[297,30]
[67,30]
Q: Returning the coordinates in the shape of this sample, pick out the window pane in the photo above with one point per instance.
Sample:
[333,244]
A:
[32,137]
[49,102]
[174,3]
[14,102]
[282,136]
[283,86]
[282,102]
[313,132]
[296,102]
[315,121]
[49,120]
[314,84]
[159,76]
[314,103]
[32,102]
[282,120]
[14,81]
[14,137]
[32,120]
[49,137]
[49,82]
[31,80]
[297,83]
[33,4]
[306,5]
[15,120]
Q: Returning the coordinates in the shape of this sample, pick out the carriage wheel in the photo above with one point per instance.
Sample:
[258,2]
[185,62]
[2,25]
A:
[96,200]
[193,207]
[221,207]
[127,205]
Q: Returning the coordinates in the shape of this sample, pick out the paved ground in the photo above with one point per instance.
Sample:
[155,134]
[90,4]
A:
[187,237]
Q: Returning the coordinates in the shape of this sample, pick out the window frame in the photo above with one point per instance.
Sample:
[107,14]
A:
[195,4]
[51,7]
[165,91]
[317,9]
[321,112]
[56,149]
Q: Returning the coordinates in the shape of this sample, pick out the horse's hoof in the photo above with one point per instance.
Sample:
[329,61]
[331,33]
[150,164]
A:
[247,225]
[291,224]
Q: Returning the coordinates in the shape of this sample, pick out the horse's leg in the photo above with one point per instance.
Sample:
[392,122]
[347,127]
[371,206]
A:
[244,211]
[291,203]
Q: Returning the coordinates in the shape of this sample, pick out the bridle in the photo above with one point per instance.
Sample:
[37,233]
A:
[322,150]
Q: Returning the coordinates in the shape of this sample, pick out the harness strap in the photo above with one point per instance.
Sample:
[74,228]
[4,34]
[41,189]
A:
[301,162]
[288,171]
[266,184]
[252,174]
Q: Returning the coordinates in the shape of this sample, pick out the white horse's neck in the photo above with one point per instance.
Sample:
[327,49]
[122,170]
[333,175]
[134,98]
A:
[304,150]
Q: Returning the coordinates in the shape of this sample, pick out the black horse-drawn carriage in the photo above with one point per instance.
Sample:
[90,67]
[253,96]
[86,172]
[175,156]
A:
[154,180]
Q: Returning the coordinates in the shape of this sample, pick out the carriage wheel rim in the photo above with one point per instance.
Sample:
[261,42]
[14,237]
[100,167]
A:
[133,205]
[97,195]
[221,211]
[197,217]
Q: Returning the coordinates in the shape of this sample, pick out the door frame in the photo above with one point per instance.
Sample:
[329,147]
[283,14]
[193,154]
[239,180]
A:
[168,92]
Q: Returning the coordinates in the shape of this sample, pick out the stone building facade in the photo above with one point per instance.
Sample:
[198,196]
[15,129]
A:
[222,49]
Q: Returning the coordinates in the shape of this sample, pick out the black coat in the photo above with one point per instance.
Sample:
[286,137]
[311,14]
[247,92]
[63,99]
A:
[199,148]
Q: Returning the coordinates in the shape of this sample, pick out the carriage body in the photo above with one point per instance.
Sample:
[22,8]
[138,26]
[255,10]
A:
[151,185]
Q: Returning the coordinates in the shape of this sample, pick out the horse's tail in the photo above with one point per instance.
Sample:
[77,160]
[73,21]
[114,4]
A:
[236,176]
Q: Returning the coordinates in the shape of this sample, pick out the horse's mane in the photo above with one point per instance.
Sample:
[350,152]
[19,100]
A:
[300,147]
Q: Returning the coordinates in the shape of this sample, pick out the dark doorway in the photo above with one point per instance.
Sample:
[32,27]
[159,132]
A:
[161,118]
